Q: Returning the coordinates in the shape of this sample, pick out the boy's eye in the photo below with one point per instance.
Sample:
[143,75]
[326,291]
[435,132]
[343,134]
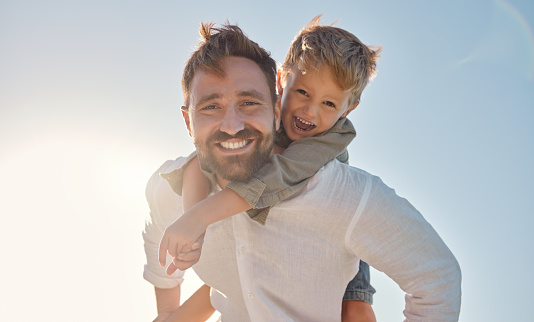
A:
[303,92]
[328,103]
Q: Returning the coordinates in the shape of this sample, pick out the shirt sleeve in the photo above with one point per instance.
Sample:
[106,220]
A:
[165,207]
[285,173]
[392,236]
[176,177]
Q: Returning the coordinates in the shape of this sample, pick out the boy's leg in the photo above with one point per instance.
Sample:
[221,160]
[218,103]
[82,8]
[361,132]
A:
[358,298]
[360,289]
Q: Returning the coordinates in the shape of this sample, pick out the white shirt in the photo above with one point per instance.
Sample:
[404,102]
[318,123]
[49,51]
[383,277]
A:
[297,266]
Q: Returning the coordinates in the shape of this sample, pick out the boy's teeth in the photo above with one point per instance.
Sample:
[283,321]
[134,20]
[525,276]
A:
[233,145]
[303,124]
[304,121]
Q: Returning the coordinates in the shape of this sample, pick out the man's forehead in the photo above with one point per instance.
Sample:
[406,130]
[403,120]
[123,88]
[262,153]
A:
[241,77]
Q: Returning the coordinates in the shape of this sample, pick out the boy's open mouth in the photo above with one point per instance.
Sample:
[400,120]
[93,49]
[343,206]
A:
[302,125]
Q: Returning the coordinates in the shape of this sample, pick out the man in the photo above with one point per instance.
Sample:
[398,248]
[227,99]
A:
[297,266]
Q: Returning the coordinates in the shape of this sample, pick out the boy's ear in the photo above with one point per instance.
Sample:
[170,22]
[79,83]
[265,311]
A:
[279,86]
[277,112]
[185,115]
[350,109]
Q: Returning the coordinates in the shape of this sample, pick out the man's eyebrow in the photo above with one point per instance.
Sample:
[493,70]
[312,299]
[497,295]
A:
[252,93]
[207,98]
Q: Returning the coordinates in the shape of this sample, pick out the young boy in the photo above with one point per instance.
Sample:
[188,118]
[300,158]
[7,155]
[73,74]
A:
[320,83]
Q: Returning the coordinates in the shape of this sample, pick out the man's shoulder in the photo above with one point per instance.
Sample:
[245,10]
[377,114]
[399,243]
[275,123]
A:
[170,166]
[162,179]
[339,176]
[336,168]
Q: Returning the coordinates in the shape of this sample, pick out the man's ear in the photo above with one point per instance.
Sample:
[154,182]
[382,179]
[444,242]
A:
[279,82]
[350,109]
[185,115]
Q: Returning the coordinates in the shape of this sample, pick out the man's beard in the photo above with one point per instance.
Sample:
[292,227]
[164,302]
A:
[236,167]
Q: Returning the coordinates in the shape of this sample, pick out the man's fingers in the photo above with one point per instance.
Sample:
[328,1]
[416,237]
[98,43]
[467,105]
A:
[162,252]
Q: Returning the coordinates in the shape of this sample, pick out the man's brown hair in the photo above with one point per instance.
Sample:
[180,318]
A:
[352,63]
[226,41]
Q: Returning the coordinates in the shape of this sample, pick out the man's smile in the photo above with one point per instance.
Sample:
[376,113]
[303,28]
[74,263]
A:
[235,145]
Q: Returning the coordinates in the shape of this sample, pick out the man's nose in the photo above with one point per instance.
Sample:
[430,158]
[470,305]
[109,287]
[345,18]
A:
[232,121]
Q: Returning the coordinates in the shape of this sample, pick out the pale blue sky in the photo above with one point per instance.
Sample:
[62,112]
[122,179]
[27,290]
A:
[89,108]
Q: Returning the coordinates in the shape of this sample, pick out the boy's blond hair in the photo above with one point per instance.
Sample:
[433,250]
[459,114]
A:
[352,63]
[226,41]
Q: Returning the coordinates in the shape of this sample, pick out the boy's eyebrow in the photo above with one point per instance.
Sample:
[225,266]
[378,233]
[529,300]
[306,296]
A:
[252,93]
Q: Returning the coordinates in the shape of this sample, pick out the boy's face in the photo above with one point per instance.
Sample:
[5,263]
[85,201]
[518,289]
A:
[311,103]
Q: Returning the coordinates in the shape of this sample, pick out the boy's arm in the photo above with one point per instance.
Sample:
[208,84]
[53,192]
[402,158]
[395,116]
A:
[285,173]
[195,186]
[196,308]
[185,233]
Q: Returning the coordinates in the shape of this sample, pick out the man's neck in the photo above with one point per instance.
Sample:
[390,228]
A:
[276,150]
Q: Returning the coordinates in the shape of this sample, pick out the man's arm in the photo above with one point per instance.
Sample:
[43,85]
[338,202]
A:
[196,308]
[392,236]
[167,301]
[165,206]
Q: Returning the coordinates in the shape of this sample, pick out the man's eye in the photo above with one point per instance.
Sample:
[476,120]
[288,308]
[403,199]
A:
[328,103]
[303,92]
[251,103]
[209,107]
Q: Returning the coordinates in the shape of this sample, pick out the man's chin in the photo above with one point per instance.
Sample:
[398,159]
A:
[236,169]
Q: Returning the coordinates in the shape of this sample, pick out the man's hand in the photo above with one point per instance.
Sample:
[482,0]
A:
[186,260]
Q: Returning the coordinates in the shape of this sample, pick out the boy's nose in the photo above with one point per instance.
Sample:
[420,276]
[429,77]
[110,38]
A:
[232,121]
[311,110]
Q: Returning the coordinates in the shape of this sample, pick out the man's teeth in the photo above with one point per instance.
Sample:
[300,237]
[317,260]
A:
[234,145]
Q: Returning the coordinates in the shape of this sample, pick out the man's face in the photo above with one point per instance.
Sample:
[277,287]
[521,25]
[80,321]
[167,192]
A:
[232,119]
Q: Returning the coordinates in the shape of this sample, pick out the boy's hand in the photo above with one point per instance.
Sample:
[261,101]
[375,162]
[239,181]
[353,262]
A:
[186,260]
[180,236]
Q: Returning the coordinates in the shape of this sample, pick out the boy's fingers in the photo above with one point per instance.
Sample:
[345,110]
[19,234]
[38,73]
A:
[198,243]
[171,269]
[162,252]
[182,264]
[189,256]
